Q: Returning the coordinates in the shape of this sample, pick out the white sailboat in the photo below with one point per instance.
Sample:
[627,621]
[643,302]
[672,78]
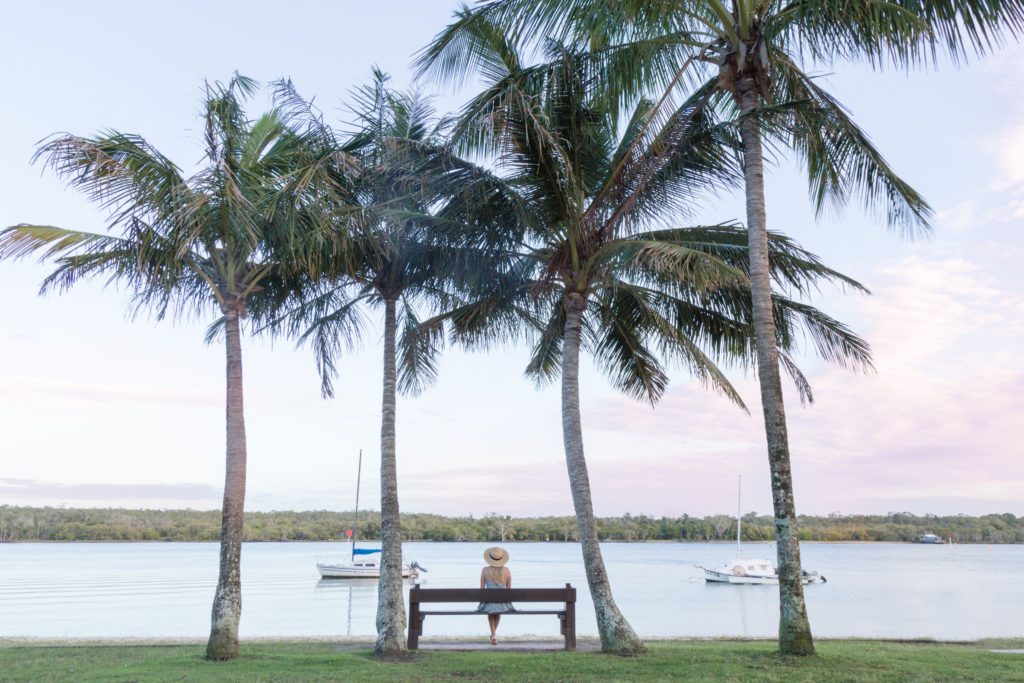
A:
[745,571]
[362,563]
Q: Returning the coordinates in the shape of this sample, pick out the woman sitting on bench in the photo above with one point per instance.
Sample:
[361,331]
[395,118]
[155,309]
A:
[495,575]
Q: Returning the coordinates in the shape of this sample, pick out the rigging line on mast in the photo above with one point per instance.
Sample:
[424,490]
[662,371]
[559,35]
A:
[739,514]
[355,522]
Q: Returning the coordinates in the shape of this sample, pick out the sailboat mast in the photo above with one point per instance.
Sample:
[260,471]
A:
[355,524]
[739,515]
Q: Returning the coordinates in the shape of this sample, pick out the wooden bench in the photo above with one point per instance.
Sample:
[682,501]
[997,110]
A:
[420,596]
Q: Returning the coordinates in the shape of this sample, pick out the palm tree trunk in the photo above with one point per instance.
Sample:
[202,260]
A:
[227,601]
[616,633]
[390,602]
[794,627]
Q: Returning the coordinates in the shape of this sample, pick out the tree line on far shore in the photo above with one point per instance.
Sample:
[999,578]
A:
[111,524]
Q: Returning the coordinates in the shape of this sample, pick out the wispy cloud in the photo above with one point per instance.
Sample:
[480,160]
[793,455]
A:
[1003,199]
[1009,151]
[963,216]
[938,424]
[34,492]
[19,389]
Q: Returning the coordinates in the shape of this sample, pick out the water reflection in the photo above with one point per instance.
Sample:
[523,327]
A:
[357,596]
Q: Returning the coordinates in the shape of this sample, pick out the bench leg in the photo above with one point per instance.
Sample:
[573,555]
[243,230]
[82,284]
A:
[569,626]
[415,627]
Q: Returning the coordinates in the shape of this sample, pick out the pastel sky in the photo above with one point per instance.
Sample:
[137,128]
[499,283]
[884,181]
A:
[100,410]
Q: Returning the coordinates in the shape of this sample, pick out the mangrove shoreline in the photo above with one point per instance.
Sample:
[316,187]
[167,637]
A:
[34,524]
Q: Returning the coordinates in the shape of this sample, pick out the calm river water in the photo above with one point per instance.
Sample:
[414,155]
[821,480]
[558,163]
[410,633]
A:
[100,590]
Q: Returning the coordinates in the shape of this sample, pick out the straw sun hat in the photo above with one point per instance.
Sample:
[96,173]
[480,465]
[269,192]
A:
[496,557]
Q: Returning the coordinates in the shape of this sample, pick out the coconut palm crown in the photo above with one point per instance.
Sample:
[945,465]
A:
[401,258]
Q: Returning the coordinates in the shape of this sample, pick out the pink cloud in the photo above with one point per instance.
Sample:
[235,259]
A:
[33,492]
[18,389]
[938,422]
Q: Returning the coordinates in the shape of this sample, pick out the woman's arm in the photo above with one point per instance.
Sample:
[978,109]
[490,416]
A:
[508,577]
[483,577]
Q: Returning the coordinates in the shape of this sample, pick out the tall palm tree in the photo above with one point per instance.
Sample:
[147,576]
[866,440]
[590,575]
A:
[194,245]
[754,50]
[398,259]
[601,270]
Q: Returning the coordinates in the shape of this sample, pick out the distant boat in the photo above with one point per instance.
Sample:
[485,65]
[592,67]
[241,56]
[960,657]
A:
[362,563]
[929,538]
[750,572]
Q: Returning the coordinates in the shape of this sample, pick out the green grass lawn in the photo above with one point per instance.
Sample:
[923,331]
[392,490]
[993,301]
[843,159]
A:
[666,661]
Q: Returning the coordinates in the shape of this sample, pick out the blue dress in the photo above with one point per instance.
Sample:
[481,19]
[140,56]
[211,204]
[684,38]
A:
[495,607]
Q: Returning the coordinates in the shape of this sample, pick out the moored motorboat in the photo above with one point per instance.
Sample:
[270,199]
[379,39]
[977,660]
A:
[753,572]
[748,571]
[362,563]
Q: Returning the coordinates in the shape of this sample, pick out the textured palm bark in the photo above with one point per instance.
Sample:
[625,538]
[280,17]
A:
[227,601]
[616,634]
[390,603]
[794,627]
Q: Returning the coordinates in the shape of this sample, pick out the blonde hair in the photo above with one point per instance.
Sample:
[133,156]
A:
[495,574]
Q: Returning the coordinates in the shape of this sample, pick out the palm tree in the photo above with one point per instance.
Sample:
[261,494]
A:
[399,259]
[194,245]
[596,272]
[754,50]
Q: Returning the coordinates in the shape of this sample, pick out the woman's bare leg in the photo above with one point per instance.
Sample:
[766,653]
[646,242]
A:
[492,621]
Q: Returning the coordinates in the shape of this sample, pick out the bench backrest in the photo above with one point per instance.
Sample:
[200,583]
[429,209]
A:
[566,595]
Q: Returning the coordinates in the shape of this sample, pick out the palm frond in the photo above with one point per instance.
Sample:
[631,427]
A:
[698,269]
[419,344]
[841,161]
[473,43]
[901,32]
[328,333]
[803,387]
[620,349]
[143,260]
[546,356]
[832,340]
[644,312]
[124,174]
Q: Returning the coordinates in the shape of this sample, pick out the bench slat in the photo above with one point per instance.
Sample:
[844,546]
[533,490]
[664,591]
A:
[518,611]
[493,595]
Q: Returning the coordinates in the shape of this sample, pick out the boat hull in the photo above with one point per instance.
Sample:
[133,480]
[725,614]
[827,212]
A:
[342,571]
[712,576]
[716,576]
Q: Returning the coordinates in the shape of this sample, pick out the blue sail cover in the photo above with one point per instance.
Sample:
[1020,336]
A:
[365,551]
